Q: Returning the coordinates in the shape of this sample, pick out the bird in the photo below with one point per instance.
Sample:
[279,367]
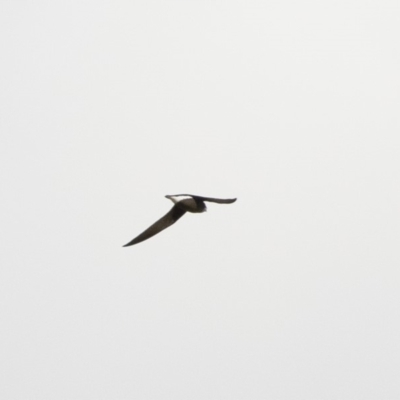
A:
[189,203]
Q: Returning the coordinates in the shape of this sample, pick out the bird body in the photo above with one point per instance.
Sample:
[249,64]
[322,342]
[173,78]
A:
[190,203]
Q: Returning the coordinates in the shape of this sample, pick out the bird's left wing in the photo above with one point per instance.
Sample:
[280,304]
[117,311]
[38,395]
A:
[167,220]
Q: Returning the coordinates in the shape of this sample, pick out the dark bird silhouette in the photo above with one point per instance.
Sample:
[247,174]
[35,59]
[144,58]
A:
[193,204]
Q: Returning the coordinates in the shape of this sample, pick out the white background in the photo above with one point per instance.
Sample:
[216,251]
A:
[290,293]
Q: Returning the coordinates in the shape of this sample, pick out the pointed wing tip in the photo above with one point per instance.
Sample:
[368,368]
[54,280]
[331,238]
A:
[128,244]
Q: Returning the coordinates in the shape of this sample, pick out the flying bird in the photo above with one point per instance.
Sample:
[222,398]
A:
[190,203]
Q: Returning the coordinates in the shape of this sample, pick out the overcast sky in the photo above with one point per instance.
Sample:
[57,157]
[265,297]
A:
[290,293]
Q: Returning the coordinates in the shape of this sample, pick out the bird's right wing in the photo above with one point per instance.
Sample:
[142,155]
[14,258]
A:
[167,220]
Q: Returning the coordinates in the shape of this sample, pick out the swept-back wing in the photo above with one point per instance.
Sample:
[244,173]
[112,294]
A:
[167,220]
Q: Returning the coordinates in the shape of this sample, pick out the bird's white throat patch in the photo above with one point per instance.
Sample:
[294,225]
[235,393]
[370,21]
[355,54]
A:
[176,199]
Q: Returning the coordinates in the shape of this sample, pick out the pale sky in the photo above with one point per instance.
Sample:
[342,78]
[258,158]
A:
[292,292]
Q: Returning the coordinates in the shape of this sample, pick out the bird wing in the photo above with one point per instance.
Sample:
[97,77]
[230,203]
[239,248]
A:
[211,199]
[167,220]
